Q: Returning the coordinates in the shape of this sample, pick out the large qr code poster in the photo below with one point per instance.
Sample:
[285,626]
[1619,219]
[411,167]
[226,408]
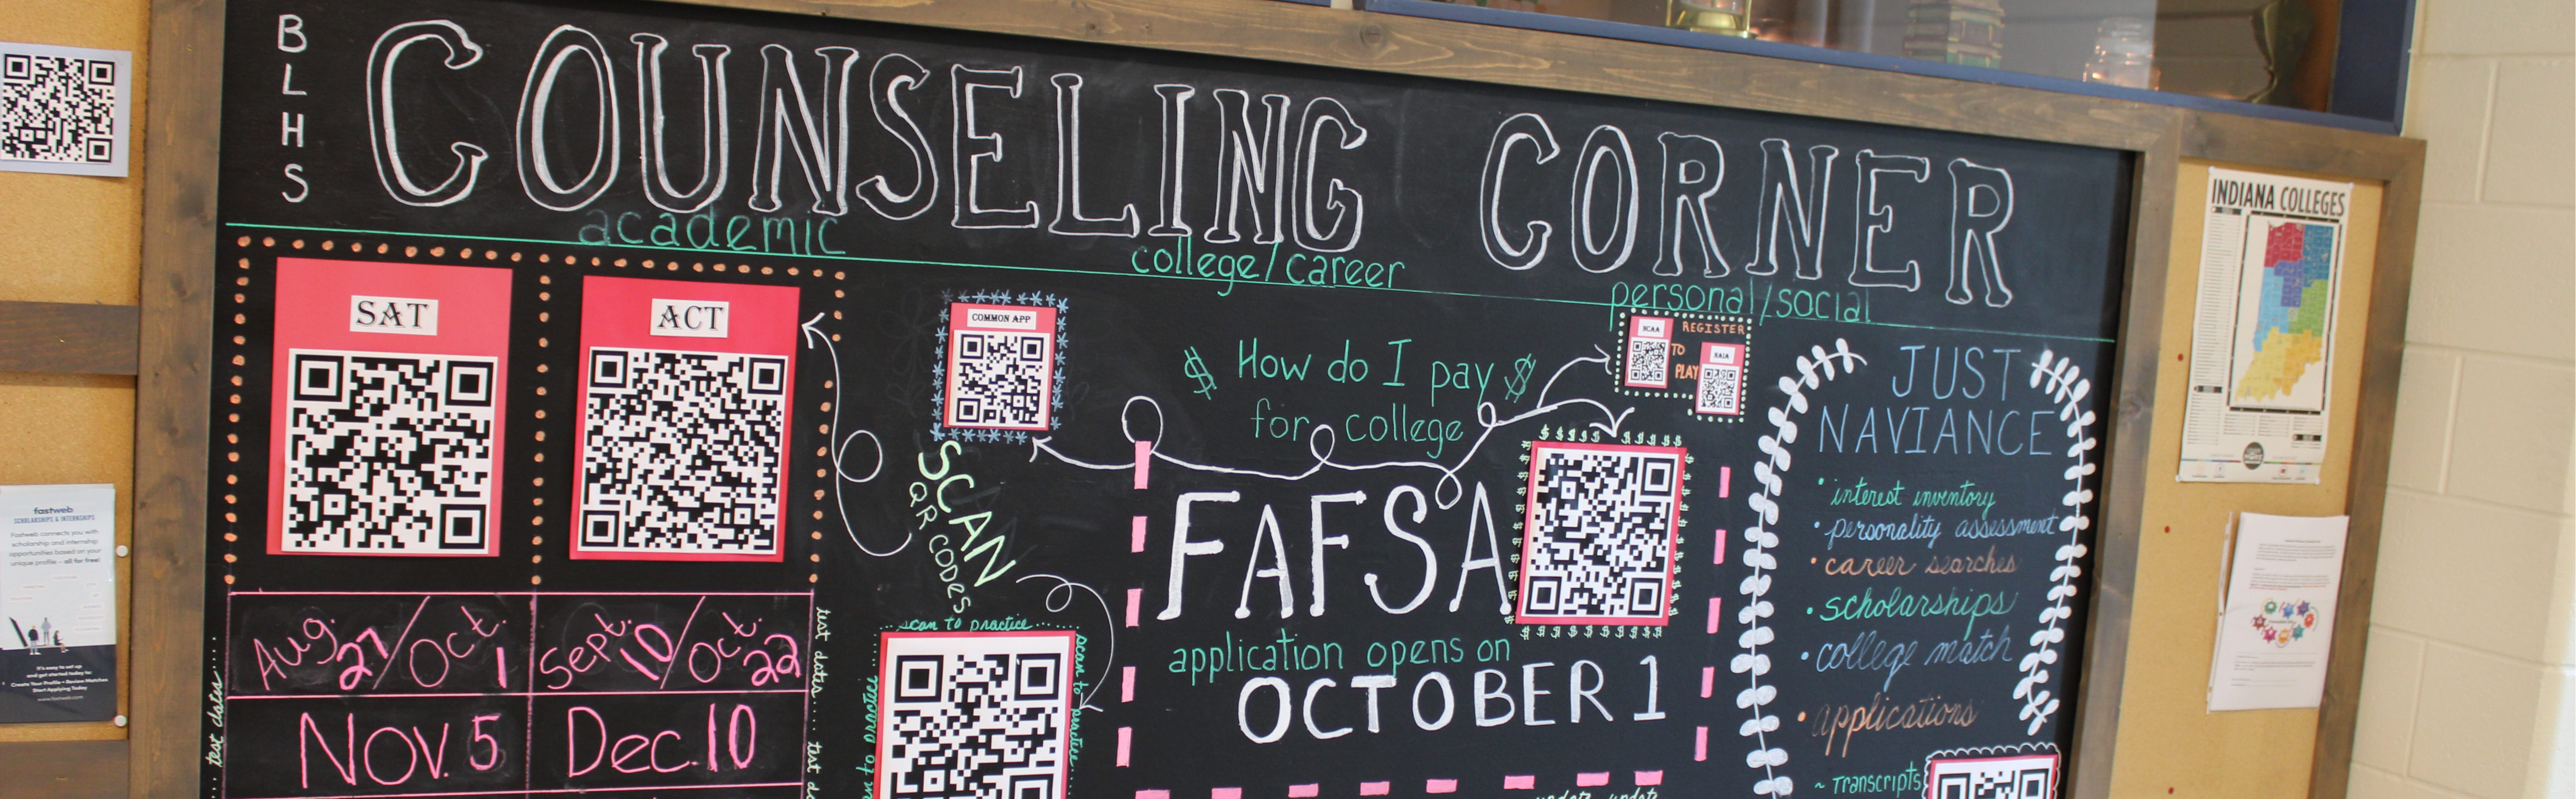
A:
[64,109]
[985,715]
[2013,777]
[685,403]
[387,400]
[1601,525]
[1001,367]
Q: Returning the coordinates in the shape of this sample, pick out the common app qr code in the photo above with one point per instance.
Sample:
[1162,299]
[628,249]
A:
[58,108]
[1600,529]
[984,715]
[681,452]
[2015,777]
[387,453]
[1001,366]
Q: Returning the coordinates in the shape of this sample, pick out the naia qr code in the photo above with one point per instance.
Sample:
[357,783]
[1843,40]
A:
[2013,777]
[56,107]
[983,715]
[681,452]
[1600,529]
[387,453]
[1001,366]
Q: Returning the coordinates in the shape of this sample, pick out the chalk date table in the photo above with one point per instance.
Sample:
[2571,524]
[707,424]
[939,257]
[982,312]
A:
[349,694]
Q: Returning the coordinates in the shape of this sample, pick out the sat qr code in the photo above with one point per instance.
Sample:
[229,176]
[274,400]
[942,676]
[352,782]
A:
[1001,366]
[2014,777]
[1600,533]
[387,453]
[984,715]
[62,105]
[681,452]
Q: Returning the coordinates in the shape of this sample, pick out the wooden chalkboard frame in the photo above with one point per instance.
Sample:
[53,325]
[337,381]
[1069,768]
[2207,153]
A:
[179,238]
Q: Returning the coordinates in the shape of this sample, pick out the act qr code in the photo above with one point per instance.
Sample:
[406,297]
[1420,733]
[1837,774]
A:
[1001,366]
[1600,529]
[681,452]
[2014,777]
[983,715]
[59,109]
[387,453]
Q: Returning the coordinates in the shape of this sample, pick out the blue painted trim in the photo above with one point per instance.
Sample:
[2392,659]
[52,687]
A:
[1794,52]
[2371,59]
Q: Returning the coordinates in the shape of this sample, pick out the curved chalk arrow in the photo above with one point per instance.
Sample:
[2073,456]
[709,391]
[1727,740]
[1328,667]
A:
[840,444]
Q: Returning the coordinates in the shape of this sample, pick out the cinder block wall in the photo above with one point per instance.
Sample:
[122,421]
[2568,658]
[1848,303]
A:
[2470,686]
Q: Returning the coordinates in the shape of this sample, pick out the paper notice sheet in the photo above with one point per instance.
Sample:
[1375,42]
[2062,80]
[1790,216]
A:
[2271,268]
[57,603]
[2278,625]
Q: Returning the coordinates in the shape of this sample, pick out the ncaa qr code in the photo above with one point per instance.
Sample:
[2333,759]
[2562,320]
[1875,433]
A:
[681,452]
[1001,366]
[984,715]
[2014,777]
[387,453]
[58,108]
[1600,528]
[1649,352]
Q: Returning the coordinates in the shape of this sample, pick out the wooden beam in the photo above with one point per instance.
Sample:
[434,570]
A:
[165,698]
[2374,434]
[63,770]
[68,337]
[1308,35]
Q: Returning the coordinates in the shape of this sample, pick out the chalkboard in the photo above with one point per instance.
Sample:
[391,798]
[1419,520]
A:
[670,401]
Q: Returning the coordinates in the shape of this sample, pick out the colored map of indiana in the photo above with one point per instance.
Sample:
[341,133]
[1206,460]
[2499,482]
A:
[2290,323]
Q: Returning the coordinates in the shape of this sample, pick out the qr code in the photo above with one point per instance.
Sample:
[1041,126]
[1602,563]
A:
[983,715]
[681,452]
[387,453]
[2014,777]
[1721,379]
[1649,358]
[1001,366]
[1600,528]
[60,109]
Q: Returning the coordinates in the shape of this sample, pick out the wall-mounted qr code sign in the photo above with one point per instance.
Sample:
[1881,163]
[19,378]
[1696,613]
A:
[975,715]
[64,109]
[388,400]
[1721,379]
[2020,776]
[1601,525]
[686,393]
[1650,357]
[1001,366]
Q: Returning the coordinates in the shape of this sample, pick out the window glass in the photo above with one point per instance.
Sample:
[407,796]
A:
[2275,52]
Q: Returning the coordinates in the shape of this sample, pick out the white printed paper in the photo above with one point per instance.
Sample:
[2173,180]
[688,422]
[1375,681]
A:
[65,109]
[2271,269]
[2277,627]
[58,574]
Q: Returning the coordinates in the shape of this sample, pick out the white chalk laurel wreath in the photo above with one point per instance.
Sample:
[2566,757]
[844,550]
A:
[1757,697]
[2065,382]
